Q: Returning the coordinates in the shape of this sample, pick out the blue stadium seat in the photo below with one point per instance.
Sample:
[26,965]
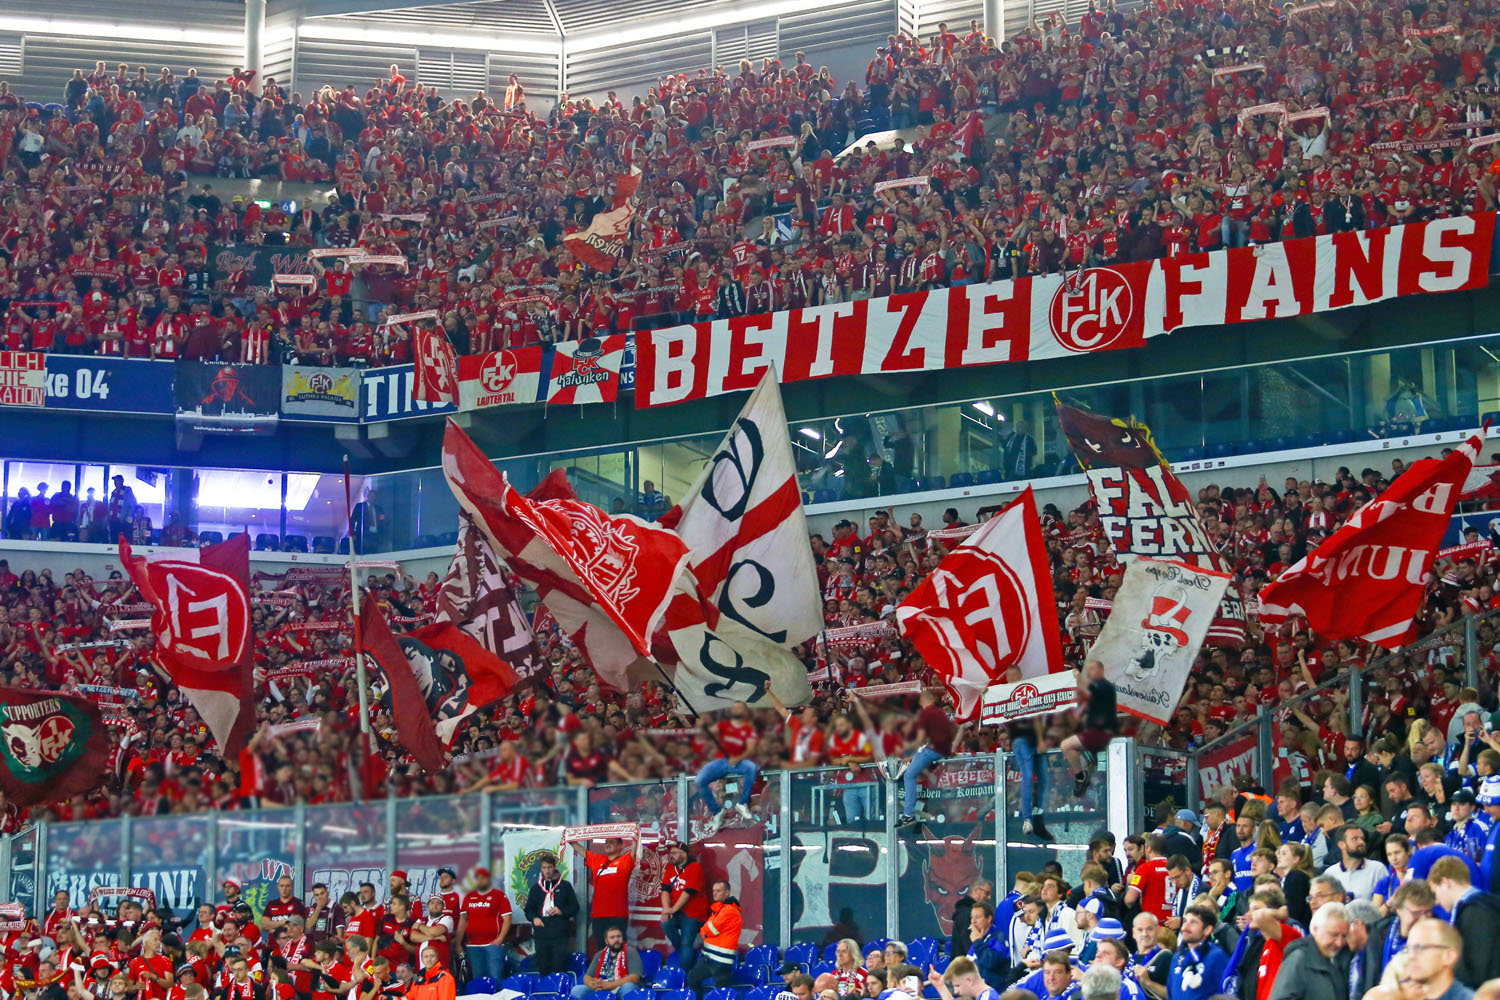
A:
[483,984]
[830,952]
[558,983]
[425,542]
[448,538]
[601,995]
[988,477]
[578,963]
[1191,453]
[937,483]
[324,544]
[941,963]
[825,496]
[528,964]
[802,951]
[921,951]
[761,954]
[806,497]
[1309,440]
[523,982]
[294,543]
[724,993]
[210,537]
[819,968]
[676,995]
[905,484]
[650,963]
[267,543]
[1490,417]
[764,992]
[746,974]
[961,480]
[874,943]
[343,546]
[669,977]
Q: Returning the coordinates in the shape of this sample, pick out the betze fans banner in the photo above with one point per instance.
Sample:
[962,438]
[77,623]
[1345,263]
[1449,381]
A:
[1006,703]
[987,611]
[1160,618]
[751,592]
[602,831]
[1056,316]
[1367,580]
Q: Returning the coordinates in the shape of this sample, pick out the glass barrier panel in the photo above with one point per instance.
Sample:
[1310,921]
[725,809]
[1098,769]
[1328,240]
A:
[256,848]
[840,855]
[654,805]
[763,876]
[82,857]
[1071,820]
[941,858]
[346,847]
[525,825]
[169,855]
[23,872]
[437,832]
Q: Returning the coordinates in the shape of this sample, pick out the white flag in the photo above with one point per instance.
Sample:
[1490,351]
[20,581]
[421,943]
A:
[757,587]
[1160,617]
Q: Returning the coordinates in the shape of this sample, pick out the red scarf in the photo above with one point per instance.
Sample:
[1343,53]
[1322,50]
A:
[619,972]
[1210,845]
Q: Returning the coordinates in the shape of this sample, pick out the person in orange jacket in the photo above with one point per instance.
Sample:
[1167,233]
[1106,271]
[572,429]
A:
[434,982]
[721,940]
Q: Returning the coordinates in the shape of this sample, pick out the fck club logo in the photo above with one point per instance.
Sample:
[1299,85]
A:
[499,372]
[1091,311]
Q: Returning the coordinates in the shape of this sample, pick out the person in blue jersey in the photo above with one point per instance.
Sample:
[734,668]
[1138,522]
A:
[1316,967]
[962,980]
[1054,980]
[1429,848]
[1152,964]
[1476,917]
[1489,797]
[1412,902]
[1470,829]
[1244,831]
[1198,967]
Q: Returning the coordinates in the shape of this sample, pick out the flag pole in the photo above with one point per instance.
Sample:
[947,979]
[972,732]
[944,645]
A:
[359,648]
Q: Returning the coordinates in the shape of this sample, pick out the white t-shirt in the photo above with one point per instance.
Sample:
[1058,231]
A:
[1360,882]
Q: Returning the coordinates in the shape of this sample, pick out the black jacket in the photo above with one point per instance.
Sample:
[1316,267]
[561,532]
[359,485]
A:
[962,910]
[564,898]
[1477,920]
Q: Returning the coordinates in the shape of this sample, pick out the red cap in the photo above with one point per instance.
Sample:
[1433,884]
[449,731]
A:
[399,873]
[481,873]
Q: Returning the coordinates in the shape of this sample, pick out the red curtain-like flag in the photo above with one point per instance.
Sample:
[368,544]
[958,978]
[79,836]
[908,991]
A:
[1366,581]
[986,614]
[54,746]
[405,696]
[601,245]
[436,369]
[203,632]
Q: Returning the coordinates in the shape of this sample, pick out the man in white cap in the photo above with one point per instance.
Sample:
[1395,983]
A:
[1489,798]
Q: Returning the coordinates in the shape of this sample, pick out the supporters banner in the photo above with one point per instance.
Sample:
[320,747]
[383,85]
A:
[500,378]
[603,242]
[23,378]
[259,263]
[1367,580]
[1056,316]
[605,579]
[477,596]
[1144,509]
[587,371]
[55,746]
[388,394]
[1005,703]
[406,685]
[203,632]
[987,614]
[437,368]
[752,590]
[323,394]
[1159,620]
[113,385]
[228,399]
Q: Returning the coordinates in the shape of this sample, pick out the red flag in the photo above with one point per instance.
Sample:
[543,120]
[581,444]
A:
[606,580]
[459,675]
[603,242]
[986,614]
[203,632]
[52,746]
[436,370]
[1367,580]
[479,596]
[405,695]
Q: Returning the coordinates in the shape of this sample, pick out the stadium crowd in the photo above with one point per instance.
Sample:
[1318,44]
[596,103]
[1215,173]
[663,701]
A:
[1120,138]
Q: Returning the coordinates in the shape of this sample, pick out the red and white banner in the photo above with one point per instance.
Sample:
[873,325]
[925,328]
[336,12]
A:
[602,831]
[436,378]
[397,319]
[1217,768]
[601,245]
[780,140]
[1050,316]
[293,279]
[1241,68]
[203,632]
[23,378]
[606,580]
[987,613]
[888,690]
[921,181]
[499,378]
[1005,703]
[1367,580]
[1446,29]
[588,370]
[311,725]
[1160,618]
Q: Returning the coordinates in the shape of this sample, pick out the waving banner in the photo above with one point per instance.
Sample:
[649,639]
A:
[603,242]
[54,746]
[1056,316]
[1367,580]
[437,368]
[1160,618]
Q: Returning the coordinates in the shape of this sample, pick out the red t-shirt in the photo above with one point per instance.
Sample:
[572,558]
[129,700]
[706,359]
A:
[486,911]
[159,964]
[690,880]
[1270,960]
[1150,877]
[611,883]
[362,923]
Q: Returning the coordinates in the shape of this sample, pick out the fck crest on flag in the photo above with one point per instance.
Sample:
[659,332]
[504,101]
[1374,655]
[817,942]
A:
[986,615]
[1158,623]
[588,370]
[436,369]
[1366,581]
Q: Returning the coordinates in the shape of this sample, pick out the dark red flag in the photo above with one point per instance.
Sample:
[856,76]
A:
[405,695]
[55,746]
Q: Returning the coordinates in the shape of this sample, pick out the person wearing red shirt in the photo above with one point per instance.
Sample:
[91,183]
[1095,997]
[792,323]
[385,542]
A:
[736,740]
[483,925]
[151,968]
[1147,885]
[610,871]
[1277,934]
[684,904]
[58,915]
[396,942]
[358,921]
[435,930]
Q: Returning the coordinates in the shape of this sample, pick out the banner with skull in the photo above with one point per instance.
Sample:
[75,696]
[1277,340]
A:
[55,746]
[1160,617]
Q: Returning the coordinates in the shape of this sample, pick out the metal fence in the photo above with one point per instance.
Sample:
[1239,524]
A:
[822,857]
